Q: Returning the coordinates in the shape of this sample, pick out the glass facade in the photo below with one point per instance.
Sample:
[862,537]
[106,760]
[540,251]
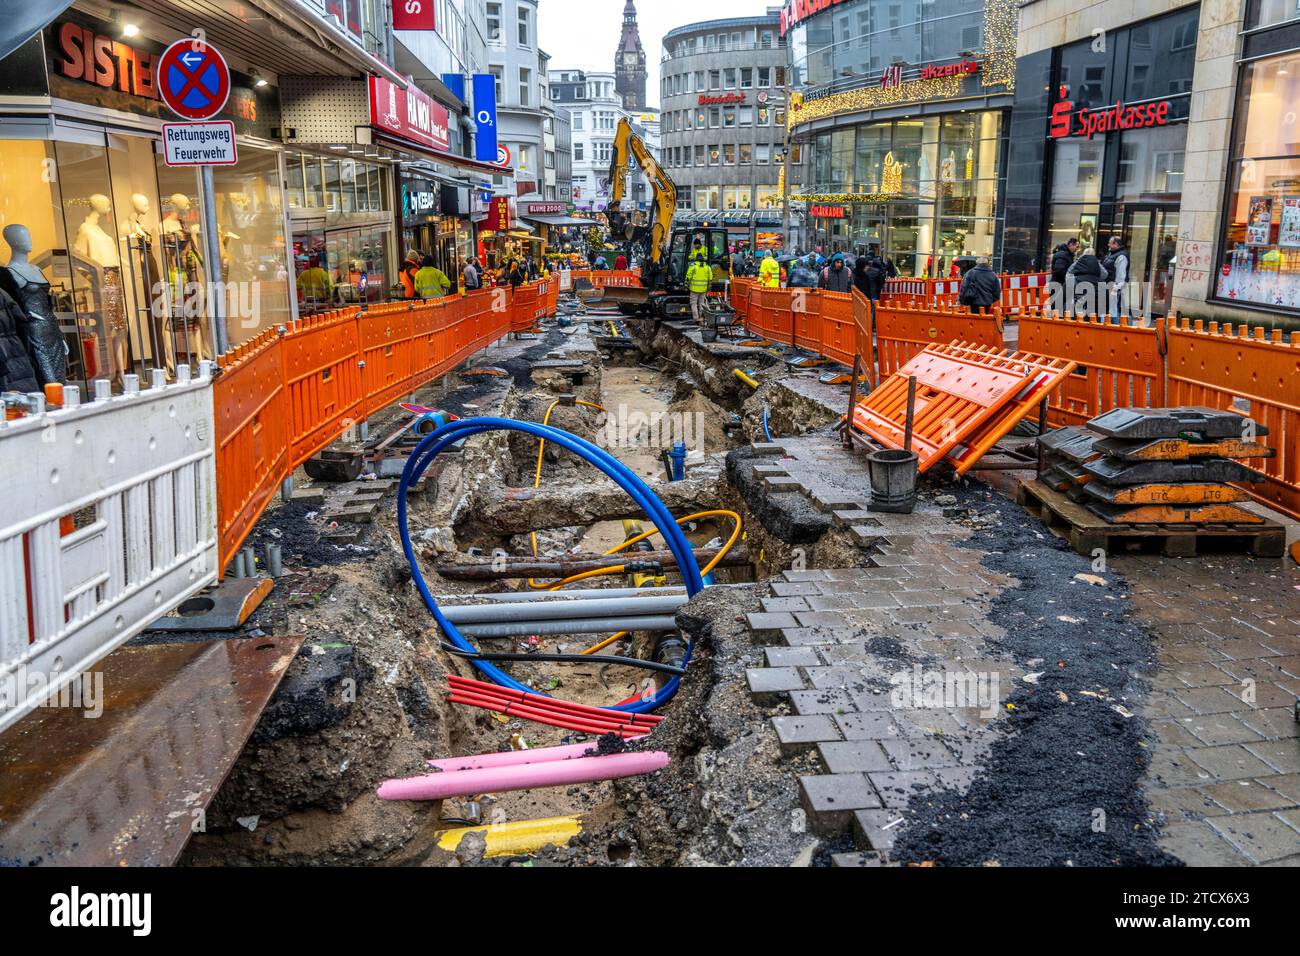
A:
[1260,248]
[851,40]
[925,189]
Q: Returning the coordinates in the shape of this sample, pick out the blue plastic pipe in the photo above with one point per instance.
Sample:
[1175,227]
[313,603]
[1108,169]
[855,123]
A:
[433,444]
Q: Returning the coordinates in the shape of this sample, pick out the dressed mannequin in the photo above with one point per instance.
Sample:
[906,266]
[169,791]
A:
[94,244]
[184,264]
[28,286]
[139,240]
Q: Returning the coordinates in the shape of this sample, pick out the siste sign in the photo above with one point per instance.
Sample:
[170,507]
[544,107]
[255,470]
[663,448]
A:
[1086,122]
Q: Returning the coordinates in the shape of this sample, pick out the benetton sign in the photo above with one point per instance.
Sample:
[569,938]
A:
[409,113]
[1089,122]
[798,10]
[721,99]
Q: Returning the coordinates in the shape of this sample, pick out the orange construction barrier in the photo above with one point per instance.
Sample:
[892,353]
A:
[1254,373]
[902,331]
[284,395]
[1120,366]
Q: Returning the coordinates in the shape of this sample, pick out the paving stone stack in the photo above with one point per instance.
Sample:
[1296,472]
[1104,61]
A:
[1168,466]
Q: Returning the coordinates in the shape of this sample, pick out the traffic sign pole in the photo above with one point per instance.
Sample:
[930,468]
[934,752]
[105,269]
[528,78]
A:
[194,82]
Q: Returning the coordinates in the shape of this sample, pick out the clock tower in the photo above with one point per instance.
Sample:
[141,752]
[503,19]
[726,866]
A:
[629,62]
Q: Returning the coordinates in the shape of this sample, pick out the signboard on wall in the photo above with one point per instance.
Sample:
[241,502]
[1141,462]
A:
[545,208]
[499,218]
[410,114]
[1088,122]
[721,99]
[485,118]
[413,15]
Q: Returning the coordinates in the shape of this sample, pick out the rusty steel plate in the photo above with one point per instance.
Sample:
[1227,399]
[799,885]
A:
[126,788]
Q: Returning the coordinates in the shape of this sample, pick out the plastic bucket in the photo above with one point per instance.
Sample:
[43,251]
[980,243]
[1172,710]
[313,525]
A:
[893,481]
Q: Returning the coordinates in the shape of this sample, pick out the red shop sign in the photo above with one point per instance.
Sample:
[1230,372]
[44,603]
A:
[721,99]
[499,219]
[413,15]
[410,114]
[1108,119]
[826,212]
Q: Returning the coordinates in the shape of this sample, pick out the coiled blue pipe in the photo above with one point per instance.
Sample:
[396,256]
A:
[767,432]
[647,500]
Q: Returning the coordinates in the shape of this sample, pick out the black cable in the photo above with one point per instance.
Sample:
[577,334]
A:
[567,659]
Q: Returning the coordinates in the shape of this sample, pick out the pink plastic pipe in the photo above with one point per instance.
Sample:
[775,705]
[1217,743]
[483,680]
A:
[553,773]
[512,758]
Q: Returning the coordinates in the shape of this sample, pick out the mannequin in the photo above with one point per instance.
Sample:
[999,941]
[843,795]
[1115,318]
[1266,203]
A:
[95,245]
[184,265]
[28,286]
[139,239]
[93,242]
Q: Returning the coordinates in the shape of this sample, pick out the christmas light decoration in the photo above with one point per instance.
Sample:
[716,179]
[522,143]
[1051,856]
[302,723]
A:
[997,74]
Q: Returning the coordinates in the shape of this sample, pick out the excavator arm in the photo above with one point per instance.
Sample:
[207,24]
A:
[629,146]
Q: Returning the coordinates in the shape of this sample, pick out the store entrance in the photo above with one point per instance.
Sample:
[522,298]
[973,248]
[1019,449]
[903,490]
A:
[1152,236]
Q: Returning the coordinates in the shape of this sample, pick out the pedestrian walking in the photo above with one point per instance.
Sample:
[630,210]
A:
[1089,277]
[981,288]
[837,277]
[1116,265]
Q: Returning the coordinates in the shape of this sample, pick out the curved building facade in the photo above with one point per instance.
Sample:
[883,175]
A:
[902,106]
[723,122]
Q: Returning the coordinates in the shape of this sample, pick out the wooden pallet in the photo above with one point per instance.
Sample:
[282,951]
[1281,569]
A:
[1088,533]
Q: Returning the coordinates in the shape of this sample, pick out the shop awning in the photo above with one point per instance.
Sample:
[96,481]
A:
[448,159]
[24,20]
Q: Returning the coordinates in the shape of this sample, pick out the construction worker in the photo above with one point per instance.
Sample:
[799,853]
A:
[699,276]
[431,282]
[314,285]
[769,271]
[409,268]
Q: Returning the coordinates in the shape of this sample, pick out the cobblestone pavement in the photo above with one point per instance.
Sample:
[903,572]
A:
[1224,775]
[1224,780]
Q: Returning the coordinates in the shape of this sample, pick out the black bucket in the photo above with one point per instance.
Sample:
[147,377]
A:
[893,481]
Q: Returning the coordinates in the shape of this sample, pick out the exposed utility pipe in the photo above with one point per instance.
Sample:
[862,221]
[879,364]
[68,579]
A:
[564,597]
[513,758]
[513,567]
[554,773]
[583,658]
[564,610]
[585,625]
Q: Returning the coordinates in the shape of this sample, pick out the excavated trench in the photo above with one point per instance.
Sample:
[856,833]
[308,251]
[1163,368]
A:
[366,699]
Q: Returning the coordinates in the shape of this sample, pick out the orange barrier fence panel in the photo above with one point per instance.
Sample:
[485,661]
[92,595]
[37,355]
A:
[864,334]
[805,308]
[775,317]
[252,437]
[1253,374]
[322,379]
[838,330]
[957,390]
[902,332]
[1119,366]
[1048,374]
[523,308]
[387,340]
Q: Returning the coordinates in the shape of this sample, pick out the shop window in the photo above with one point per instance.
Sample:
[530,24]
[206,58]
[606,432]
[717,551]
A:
[1151,165]
[729,154]
[1263,13]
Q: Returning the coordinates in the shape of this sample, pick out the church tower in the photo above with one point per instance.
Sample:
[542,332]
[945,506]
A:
[629,62]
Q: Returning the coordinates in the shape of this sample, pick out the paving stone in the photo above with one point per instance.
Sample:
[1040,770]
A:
[918,753]
[1244,796]
[763,448]
[1282,755]
[1210,700]
[794,588]
[1273,722]
[854,756]
[765,682]
[1183,803]
[1286,784]
[1229,763]
[1218,729]
[877,725]
[798,577]
[791,657]
[816,636]
[797,734]
[1261,836]
[877,829]
[775,605]
[830,799]
[858,859]
[957,778]
[807,702]
[896,789]
[1198,844]
[1177,733]
[765,626]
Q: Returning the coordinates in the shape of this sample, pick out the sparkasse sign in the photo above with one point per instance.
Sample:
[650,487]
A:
[1088,122]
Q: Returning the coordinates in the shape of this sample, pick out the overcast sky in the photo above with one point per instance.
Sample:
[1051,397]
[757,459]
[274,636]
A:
[583,34]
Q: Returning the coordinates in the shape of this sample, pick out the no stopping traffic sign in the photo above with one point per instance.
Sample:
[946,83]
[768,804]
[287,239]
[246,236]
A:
[193,79]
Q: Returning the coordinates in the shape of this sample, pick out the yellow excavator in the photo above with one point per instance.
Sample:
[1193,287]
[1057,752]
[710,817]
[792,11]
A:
[663,251]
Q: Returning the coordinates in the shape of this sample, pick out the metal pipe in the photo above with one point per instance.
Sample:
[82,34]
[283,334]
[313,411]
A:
[563,610]
[587,625]
[274,563]
[562,597]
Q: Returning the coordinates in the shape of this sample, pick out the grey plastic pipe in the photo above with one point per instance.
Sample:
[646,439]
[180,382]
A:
[586,625]
[564,610]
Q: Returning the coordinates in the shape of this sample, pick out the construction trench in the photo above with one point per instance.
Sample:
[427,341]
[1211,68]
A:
[787,742]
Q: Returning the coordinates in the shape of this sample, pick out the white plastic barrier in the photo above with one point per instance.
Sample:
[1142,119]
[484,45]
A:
[108,520]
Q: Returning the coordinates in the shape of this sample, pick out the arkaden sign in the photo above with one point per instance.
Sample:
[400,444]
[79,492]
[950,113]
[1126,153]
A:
[410,114]
[1087,122]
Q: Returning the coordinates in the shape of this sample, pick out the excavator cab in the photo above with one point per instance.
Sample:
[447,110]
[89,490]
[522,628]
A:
[714,244]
